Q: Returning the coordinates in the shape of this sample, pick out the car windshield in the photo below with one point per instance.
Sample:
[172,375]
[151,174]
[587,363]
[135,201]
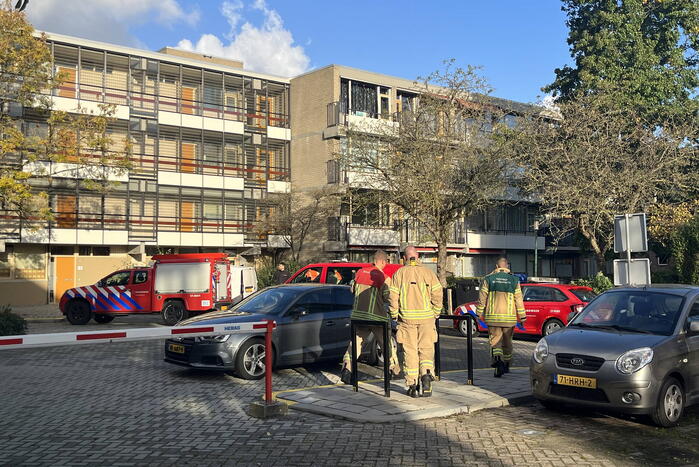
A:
[632,311]
[583,294]
[269,301]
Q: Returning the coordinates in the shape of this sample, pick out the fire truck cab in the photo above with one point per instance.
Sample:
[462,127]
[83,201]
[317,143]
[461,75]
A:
[175,286]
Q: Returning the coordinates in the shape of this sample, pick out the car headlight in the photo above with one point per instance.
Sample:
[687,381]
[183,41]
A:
[634,360]
[220,338]
[541,351]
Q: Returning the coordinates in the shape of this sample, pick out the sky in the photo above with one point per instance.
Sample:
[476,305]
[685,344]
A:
[517,43]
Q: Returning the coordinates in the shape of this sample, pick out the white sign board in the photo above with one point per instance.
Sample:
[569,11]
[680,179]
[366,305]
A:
[639,272]
[638,238]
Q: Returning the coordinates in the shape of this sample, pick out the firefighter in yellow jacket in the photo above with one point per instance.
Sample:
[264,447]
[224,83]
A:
[371,292]
[500,305]
[416,300]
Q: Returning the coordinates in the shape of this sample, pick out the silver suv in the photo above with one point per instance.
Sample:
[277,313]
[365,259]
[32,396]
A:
[631,350]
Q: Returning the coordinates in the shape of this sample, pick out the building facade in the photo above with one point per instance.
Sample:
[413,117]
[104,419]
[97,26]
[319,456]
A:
[325,102]
[210,149]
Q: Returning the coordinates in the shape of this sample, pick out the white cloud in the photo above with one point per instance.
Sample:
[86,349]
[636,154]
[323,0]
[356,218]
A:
[267,48]
[105,20]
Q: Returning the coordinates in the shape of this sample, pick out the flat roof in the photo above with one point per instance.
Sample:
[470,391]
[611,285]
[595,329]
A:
[159,56]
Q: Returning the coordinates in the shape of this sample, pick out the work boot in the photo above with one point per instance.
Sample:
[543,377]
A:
[507,367]
[499,368]
[346,376]
[414,390]
[426,381]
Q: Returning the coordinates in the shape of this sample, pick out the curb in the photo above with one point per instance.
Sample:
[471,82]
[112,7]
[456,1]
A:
[44,320]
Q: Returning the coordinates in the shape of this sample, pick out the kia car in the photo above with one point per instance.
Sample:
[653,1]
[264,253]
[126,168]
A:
[631,350]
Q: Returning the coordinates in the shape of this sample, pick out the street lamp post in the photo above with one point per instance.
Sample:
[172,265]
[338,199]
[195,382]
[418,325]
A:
[536,248]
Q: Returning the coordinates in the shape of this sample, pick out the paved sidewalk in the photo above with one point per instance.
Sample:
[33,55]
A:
[39,313]
[451,396]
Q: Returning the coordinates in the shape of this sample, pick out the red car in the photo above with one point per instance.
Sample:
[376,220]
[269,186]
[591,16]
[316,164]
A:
[338,272]
[547,306]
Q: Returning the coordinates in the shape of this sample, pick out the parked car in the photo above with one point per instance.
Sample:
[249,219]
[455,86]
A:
[631,350]
[175,286]
[313,324]
[548,306]
[337,272]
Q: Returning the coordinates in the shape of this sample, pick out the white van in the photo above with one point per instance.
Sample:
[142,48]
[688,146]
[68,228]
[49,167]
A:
[243,282]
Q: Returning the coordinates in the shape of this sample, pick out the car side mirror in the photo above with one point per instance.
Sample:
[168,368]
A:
[694,325]
[298,311]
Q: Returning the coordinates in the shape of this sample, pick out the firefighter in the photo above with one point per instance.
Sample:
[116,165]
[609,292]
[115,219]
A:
[500,305]
[416,300]
[370,288]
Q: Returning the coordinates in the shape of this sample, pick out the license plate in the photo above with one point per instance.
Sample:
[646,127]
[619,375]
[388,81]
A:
[177,348]
[577,381]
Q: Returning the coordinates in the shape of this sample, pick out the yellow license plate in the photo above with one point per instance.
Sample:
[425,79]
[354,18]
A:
[176,348]
[577,381]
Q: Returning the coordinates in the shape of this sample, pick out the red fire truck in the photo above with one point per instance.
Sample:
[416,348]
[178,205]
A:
[175,285]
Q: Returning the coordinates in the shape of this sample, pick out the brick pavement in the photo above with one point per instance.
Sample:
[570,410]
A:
[120,404]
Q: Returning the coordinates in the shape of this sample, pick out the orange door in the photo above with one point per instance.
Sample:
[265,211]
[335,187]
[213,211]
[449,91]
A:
[186,223]
[67,88]
[188,158]
[65,276]
[188,104]
[66,207]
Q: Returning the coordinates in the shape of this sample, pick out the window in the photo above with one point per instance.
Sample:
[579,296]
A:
[308,275]
[584,294]
[118,278]
[317,301]
[632,311]
[139,277]
[543,294]
[340,275]
[343,299]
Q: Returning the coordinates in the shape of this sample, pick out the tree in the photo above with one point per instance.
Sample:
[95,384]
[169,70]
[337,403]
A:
[597,161]
[433,161]
[295,215]
[79,139]
[648,48]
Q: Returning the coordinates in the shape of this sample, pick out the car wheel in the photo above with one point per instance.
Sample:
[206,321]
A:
[552,326]
[78,312]
[102,318]
[379,351]
[670,405]
[463,327]
[174,312]
[250,360]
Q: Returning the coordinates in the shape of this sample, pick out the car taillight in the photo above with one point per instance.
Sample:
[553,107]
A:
[578,308]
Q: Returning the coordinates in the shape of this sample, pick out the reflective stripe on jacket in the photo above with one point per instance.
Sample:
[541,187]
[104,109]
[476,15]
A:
[500,299]
[416,293]
[371,294]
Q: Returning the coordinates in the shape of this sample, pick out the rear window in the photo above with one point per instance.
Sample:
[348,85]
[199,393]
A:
[583,294]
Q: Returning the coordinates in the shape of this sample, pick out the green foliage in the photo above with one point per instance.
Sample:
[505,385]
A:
[11,324]
[649,48]
[685,251]
[664,277]
[598,283]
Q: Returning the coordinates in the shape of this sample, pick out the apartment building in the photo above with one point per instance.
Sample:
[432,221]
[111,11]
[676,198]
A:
[324,103]
[211,150]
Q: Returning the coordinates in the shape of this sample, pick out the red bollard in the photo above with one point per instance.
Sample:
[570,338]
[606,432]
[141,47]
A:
[268,362]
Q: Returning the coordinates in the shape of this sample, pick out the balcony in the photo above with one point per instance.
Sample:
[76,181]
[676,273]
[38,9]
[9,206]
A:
[378,236]
[340,119]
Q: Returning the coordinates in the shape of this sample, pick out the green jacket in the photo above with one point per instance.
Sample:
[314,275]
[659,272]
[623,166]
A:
[500,300]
